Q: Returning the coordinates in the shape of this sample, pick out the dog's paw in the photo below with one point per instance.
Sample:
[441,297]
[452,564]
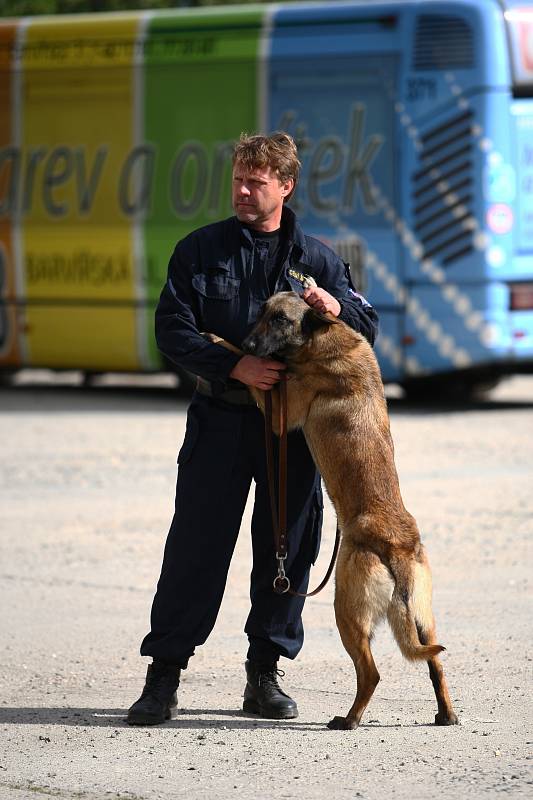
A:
[447,719]
[341,724]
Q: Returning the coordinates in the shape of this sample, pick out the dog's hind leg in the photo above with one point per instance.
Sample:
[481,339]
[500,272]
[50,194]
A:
[445,714]
[425,626]
[363,589]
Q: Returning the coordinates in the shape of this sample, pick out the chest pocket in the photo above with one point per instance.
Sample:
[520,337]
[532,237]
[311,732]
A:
[218,300]
[216,286]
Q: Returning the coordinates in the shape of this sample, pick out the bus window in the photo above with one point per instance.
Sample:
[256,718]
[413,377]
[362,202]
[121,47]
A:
[520,25]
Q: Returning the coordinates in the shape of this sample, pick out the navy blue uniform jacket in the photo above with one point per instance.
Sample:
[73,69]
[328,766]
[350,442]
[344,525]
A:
[216,284]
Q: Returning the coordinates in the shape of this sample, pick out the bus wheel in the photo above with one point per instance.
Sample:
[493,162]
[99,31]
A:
[90,379]
[448,389]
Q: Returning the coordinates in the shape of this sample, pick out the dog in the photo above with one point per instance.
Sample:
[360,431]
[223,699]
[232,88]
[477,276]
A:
[335,395]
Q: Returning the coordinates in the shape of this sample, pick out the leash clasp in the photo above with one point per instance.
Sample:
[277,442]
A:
[281,582]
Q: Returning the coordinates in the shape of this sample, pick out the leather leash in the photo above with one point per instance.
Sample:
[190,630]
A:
[282,584]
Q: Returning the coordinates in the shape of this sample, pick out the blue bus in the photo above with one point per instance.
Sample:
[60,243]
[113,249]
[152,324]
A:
[414,122]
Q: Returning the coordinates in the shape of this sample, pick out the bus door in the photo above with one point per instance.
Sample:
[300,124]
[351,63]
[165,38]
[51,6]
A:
[464,205]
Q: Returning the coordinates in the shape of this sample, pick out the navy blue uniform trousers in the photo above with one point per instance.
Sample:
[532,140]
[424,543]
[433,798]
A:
[222,453]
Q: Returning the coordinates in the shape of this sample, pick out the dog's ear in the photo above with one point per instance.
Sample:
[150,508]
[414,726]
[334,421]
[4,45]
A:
[313,320]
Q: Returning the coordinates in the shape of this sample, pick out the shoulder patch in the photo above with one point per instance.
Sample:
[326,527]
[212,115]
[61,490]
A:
[364,302]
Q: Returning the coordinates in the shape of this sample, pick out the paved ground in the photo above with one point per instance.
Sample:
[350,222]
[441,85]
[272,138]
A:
[86,482]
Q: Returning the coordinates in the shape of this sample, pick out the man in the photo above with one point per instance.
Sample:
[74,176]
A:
[218,278]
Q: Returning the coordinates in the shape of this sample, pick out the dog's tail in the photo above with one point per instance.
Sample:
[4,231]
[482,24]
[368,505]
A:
[409,613]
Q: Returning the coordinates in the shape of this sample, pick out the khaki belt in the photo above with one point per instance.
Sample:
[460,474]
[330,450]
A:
[237,397]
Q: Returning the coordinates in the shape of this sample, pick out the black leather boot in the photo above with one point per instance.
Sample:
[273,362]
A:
[263,695]
[158,697]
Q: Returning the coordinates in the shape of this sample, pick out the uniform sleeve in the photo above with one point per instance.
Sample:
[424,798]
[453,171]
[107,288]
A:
[356,311]
[176,326]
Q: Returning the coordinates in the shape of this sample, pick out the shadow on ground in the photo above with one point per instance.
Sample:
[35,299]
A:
[185,718]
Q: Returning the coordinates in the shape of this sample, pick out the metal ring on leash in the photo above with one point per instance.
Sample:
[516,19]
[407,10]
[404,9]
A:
[281,584]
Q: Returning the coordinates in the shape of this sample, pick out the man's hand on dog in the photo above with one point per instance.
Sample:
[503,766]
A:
[321,300]
[262,373]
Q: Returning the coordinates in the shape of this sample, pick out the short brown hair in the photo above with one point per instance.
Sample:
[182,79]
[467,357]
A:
[277,151]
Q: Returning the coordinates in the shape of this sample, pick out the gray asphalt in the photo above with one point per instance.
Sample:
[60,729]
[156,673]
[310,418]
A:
[86,481]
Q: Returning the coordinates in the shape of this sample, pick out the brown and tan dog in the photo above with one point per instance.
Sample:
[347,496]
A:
[335,394]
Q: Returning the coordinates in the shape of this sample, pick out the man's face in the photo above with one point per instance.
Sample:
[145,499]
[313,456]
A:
[258,196]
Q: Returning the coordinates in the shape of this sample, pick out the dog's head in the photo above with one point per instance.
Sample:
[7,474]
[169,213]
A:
[286,324]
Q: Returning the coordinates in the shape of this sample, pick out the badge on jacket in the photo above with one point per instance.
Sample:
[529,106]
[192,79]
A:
[307,281]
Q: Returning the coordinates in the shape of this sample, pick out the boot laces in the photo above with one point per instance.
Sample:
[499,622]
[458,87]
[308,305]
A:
[269,678]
